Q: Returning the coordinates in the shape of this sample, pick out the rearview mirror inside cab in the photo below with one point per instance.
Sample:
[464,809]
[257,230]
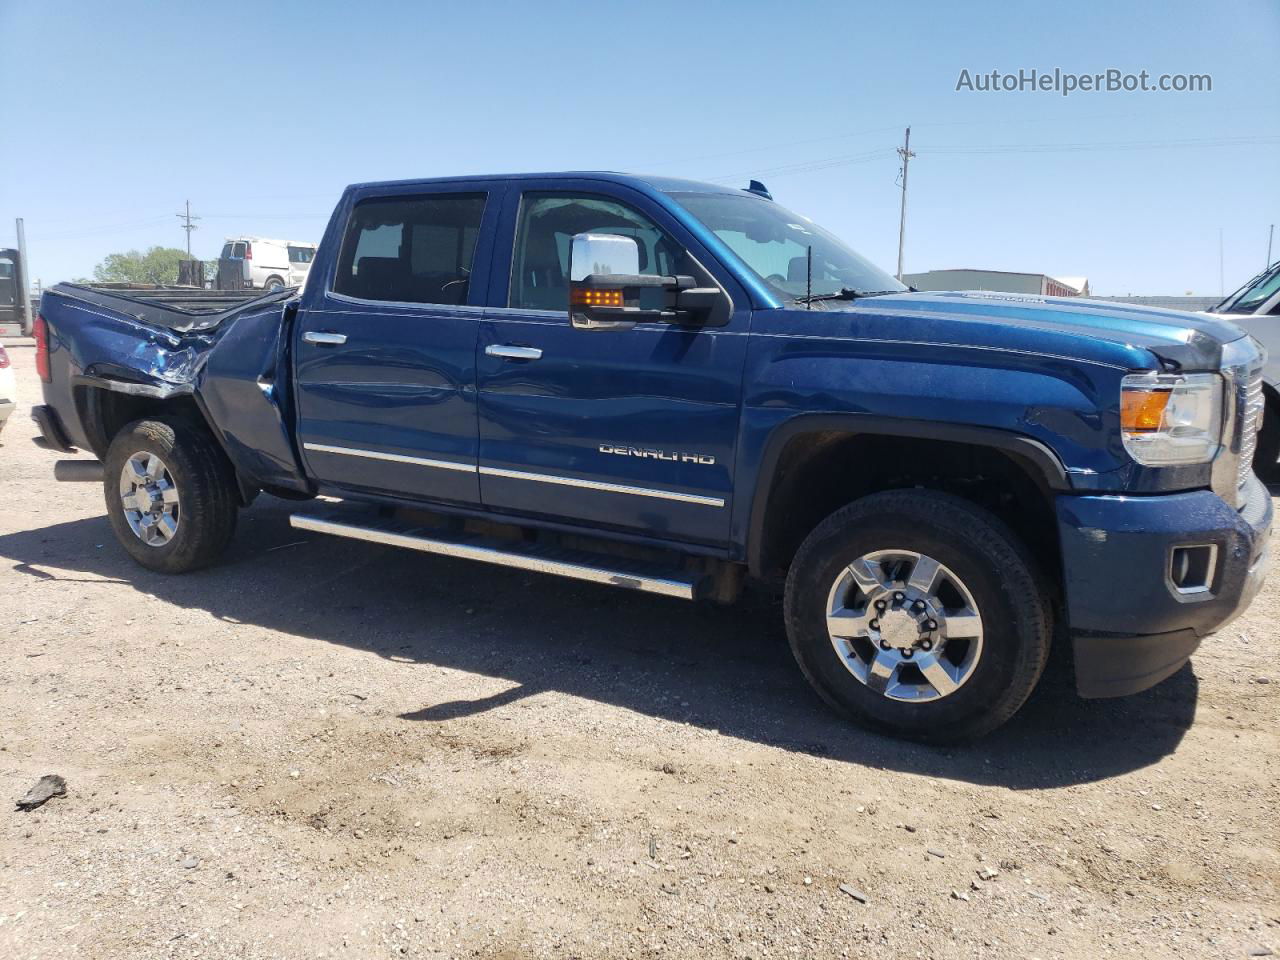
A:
[606,287]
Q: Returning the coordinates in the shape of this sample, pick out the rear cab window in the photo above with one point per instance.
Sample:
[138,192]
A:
[417,249]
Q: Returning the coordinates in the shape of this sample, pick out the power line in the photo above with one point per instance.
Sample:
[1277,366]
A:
[867,131]
[808,165]
[103,229]
[827,163]
[772,146]
[975,149]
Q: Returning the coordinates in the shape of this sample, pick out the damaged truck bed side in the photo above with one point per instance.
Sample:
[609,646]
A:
[212,360]
[672,387]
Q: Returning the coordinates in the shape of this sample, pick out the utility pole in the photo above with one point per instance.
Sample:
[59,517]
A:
[905,153]
[25,319]
[1270,236]
[188,226]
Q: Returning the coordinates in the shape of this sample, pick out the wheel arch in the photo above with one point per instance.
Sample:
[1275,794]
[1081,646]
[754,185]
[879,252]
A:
[784,507]
[105,406]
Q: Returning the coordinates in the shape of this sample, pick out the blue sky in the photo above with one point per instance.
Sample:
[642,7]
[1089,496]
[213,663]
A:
[260,115]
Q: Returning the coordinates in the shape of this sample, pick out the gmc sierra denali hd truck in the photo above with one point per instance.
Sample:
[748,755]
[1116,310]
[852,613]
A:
[672,387]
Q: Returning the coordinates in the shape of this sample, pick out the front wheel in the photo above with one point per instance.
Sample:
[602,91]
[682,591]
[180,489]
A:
[171,494]
[919,614]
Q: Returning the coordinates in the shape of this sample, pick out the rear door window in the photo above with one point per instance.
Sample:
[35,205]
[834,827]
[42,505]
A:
[411,249]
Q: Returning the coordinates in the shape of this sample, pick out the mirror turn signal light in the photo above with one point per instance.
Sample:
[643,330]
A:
[590,297]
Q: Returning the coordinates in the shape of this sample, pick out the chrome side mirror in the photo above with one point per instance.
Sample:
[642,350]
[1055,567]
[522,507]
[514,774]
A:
[605,288]
[602,254]
[599,263]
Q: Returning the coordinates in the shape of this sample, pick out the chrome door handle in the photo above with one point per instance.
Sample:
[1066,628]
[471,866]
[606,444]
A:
[512,352]
[324,338]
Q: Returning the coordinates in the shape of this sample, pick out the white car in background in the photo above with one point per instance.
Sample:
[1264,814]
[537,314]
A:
[1255,308]
[8,388]
[268,264]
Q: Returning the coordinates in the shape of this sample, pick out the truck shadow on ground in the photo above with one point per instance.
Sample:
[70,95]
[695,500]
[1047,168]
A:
[727,669]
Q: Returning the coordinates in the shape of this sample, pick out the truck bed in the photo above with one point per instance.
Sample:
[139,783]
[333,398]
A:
[114,349]
[181,309]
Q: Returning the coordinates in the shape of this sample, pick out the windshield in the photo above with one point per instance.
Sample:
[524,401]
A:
[1253,294]
[774,243]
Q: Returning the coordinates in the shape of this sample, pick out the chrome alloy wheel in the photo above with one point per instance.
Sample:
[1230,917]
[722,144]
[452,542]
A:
[904,625]
[149,498]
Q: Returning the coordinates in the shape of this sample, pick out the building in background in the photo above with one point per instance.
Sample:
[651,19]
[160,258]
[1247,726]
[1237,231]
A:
[1079,284]
[1001,280]
[1189,303]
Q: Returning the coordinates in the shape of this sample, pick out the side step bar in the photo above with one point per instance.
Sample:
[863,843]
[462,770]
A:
[537,558]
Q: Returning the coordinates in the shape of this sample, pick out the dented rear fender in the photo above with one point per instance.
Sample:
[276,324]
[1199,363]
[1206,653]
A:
[236,374]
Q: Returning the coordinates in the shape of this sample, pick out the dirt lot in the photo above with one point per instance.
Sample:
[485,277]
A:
[329,749]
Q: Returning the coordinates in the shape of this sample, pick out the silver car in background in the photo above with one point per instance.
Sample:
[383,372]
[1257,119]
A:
[1255,308]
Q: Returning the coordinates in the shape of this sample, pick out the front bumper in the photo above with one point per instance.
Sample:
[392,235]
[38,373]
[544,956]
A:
[1130,627]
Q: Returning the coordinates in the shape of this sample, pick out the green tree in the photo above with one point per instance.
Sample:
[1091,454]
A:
[157,265]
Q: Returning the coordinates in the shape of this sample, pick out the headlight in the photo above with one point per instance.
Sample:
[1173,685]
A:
[1170,418]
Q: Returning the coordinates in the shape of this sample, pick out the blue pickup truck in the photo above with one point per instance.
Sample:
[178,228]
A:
[675,387]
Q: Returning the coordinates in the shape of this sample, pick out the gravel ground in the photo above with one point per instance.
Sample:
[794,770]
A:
[322,748]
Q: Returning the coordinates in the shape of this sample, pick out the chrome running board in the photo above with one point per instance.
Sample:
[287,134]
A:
[522,555]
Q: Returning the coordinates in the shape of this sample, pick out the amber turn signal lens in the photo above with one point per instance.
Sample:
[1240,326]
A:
[1141,411]
[589,297]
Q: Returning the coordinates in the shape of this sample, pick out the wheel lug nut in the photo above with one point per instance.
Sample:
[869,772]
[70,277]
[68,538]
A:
[884,644]
[918,606]
[908,654]
[926,645]
[874,624]
[880,605]
[899,597]
[932,624]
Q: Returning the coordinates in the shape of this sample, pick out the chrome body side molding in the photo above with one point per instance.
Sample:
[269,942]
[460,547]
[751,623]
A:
[390,457]
[606,487]
[520,475]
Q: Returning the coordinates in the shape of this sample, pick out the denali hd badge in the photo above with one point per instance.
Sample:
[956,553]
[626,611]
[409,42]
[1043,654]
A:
[646,453]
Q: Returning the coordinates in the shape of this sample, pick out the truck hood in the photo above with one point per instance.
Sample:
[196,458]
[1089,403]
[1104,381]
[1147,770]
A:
[1066,325]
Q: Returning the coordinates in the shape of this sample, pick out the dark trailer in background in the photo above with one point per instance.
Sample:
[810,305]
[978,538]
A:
[14,321]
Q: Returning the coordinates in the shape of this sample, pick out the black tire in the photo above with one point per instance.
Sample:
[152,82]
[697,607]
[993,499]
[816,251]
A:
[993,564]
[273,283]
[1268,452]
[206,487]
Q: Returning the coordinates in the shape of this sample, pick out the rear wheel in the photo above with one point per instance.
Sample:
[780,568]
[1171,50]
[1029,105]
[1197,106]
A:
[919,614]
[170,493]
[272,284]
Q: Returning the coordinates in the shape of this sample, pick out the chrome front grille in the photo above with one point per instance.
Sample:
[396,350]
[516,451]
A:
[1250,403]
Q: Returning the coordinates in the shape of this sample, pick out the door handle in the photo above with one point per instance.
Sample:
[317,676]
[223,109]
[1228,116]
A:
[324,338]
[511,352]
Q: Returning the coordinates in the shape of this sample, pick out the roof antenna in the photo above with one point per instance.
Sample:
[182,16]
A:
[808,277]
[759,189]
